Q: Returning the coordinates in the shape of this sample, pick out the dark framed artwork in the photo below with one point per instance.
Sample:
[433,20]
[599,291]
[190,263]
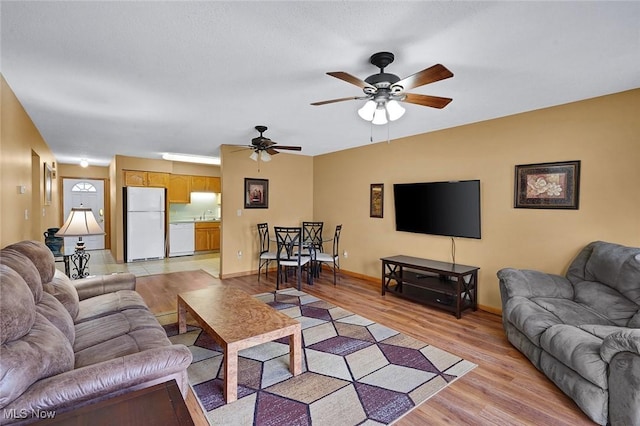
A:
[256,193]
[548,185]
[376,200]
[48,184]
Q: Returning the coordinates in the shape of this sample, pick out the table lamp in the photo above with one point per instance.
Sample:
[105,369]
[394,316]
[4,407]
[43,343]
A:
[81,222]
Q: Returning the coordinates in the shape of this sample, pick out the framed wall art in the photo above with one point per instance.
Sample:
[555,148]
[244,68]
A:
[548,185]
[256,193]
[48,184]
[376,200]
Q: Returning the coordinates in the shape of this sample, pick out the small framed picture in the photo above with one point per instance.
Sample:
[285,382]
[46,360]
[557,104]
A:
[376,200]
[48,184]
[256,193]
[548,185]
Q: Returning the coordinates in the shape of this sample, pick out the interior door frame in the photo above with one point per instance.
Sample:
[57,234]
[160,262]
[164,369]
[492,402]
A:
[106,201]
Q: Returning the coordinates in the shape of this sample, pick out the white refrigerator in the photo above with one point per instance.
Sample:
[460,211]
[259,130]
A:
[145,232]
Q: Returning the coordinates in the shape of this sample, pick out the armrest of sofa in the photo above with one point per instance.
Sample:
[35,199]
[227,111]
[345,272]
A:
[527,283]
[621,341]
[101,284]
[621,350]
[77,386]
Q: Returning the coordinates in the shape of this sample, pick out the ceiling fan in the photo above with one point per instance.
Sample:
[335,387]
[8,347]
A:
[383,91]
[263,147]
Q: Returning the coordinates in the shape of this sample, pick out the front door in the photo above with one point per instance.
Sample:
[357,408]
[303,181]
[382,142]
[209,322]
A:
[88,193]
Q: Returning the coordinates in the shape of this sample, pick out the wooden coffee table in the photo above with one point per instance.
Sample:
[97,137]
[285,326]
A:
[236,320]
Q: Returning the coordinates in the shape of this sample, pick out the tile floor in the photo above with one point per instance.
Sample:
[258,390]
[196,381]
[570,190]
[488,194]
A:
[102,262]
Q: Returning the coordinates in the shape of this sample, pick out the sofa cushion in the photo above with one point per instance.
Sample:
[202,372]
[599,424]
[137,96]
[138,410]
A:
[605,300]
[43,352]
[40,255]
[571,312]
[109,303]
[25,268]
[578,350]
[98,330]
[616,266]
[529,318]
[126,344]
[62,289]
[17,308]
[53,310]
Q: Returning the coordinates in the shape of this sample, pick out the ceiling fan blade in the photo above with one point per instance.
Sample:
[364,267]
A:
[435,73]
[426,100]
[344,76]
[271,151]
[352,98]
[290,148]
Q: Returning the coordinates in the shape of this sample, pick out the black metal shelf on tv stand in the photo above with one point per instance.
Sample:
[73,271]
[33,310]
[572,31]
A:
[447,286]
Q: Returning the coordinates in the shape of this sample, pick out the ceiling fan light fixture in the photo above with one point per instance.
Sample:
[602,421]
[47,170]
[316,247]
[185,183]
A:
[264,156]
[395,110]
[254,156]
[380,116]
[367,110]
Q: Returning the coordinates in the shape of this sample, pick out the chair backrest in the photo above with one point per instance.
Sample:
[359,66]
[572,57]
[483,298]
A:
[263,236]
[288,239]
[336,240]
[312,231]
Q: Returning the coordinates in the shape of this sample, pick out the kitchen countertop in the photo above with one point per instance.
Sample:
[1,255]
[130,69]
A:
[195,221]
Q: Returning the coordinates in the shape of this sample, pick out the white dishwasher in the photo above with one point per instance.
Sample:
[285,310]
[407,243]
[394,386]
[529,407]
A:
[181,239]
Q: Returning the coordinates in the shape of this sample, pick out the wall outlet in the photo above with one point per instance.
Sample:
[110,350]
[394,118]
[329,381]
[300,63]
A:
[345,254]
[239,254]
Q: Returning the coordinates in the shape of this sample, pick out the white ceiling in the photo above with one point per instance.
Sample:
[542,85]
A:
[100,78]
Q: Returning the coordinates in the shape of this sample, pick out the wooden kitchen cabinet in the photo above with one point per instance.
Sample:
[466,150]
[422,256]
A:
[207,236]
[142,178]
[179,189]
[205,184]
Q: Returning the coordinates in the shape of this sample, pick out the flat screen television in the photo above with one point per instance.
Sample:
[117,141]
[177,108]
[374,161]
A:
[438,208]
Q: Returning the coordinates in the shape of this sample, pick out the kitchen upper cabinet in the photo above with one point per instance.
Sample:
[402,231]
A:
[205,184]
[151,179]
[179,189]
[207,236]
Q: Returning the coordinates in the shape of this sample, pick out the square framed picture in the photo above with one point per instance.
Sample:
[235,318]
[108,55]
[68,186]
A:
[376,200]
[547,185]
[256,193]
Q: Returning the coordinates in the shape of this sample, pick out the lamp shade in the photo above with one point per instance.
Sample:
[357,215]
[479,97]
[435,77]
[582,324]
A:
[367,110]
[380,116]
[80,222]
[254,156]
[395,110]
[265,156]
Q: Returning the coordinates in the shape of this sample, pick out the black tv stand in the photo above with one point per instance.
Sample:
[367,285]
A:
[448,286]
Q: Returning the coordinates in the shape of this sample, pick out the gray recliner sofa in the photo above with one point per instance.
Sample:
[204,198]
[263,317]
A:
[582,330]
[65,344]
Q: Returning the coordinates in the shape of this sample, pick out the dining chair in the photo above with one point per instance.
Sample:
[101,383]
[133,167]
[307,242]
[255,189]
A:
[331,258]
[289,254]
[312,232]
[265,256]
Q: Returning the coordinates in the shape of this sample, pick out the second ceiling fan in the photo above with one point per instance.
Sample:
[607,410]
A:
[383,90]
[263,147]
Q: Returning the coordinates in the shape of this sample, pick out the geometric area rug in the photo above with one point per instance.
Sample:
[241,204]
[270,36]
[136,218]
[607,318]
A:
[354,371]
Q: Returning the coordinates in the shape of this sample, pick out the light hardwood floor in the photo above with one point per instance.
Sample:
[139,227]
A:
[505,389]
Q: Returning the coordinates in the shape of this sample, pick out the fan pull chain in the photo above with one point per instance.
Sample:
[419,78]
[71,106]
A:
[371,131]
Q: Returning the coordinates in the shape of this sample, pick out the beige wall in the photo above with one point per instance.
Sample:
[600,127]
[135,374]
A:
[23,154]
[290,202]
[602,133]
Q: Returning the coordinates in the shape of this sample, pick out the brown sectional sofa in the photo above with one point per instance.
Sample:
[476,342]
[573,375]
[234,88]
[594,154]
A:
[68,343]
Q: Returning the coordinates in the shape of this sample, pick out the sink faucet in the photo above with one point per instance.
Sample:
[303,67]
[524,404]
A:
[204,214]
